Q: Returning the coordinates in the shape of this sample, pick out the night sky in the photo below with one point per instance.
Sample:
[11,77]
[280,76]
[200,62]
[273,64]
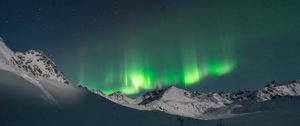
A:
[137,45]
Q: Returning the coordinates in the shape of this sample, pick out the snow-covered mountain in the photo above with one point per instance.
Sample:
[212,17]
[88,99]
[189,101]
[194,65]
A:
[272,91]
[200,105]
[34,62]
[37,63]
[6,55]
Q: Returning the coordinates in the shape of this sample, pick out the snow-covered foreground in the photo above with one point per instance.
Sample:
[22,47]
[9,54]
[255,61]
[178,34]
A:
[22,103]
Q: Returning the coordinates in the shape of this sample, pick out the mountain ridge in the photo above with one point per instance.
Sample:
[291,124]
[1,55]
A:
[200,105]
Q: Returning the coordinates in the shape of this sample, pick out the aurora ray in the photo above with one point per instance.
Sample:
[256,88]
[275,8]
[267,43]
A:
[176,52]
[137,45]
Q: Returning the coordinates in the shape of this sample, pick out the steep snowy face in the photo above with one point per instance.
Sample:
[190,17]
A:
[170,100]
[272,91]
[6,55]
[151,96]
[34,62]
[181,102]
[118,97]
[38,64]
[167,95]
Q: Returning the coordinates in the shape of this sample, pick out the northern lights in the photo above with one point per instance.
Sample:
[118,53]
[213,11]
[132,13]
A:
[137,45]
[183,56]
[171,49]
[138,75]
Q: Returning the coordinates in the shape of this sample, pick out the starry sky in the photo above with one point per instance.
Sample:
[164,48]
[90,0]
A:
[137,45]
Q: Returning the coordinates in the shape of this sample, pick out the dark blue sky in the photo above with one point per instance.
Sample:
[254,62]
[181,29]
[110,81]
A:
[91,39]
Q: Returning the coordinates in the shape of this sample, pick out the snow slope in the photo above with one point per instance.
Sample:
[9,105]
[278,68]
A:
[21,103]
[6,55]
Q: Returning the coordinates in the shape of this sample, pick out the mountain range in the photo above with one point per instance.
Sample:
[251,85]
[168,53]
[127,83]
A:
[200,105]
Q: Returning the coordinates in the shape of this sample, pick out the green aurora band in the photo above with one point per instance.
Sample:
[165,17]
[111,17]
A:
[140,72]
[181,46]
[138,75]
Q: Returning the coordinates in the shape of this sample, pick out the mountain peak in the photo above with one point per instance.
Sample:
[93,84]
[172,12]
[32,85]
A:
[37,63]
[34,51]
[118,97]
[34,62]
[117,93]
[174,93]
[171,88]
